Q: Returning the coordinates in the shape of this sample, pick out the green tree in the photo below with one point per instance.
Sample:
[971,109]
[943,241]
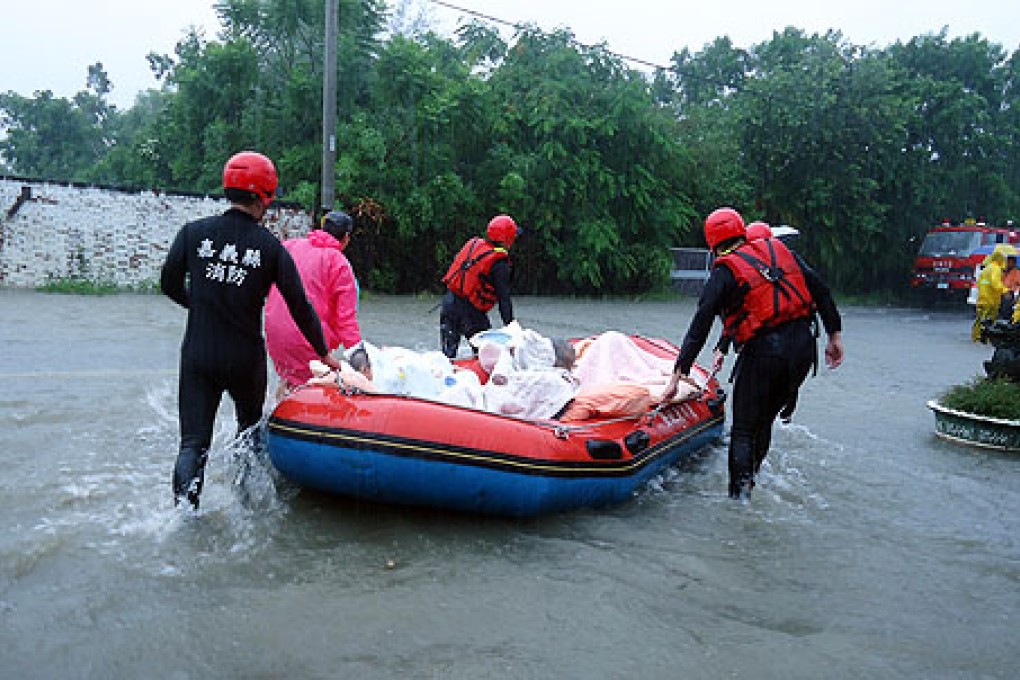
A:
[136,157]
[598,161]
[413,152]
[56,138]
[259,87]
[702,89]
[958,87]
[1009,137]
[823,128]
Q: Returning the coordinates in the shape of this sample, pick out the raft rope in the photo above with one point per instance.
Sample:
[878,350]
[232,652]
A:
[564,431]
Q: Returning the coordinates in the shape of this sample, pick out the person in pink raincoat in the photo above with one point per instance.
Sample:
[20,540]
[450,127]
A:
[332,289]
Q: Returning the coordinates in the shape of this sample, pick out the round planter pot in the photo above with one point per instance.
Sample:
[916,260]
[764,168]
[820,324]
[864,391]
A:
[976,430]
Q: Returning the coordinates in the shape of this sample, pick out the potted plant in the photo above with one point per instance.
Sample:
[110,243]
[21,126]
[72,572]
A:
[983,412]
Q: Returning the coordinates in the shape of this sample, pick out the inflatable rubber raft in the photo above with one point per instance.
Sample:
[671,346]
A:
[410,451]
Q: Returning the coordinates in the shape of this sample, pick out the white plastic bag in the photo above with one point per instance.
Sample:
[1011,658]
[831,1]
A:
[534,351]
[531,394]
[462,388]
[509,336]
[408,373]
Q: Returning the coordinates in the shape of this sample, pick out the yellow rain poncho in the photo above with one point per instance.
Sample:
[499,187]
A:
[990,287]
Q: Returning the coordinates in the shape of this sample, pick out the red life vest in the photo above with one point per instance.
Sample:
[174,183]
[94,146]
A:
[774,288]
[468,275]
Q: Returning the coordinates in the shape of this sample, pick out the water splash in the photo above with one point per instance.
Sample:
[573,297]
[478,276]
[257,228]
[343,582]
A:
[254,478]
[241,505]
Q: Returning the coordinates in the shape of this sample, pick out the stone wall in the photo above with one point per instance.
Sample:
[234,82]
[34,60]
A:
[73,231]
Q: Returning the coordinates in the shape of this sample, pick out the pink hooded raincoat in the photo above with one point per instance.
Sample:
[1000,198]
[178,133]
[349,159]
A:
[333,291]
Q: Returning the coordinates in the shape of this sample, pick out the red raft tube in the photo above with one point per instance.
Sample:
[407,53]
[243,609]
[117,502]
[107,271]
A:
[408,451]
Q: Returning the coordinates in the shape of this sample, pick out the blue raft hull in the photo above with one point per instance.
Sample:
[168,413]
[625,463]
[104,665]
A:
[543,472]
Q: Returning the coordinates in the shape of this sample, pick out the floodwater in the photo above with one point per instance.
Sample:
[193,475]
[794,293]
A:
[870,549]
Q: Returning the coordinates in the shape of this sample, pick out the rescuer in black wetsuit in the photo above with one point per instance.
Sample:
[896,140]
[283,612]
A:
[221,270]
[766,296]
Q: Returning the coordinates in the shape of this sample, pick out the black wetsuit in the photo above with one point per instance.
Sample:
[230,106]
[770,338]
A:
[770,368]
[458,318]
[221,269]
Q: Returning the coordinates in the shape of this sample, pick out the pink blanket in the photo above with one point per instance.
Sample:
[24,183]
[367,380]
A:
[613,357]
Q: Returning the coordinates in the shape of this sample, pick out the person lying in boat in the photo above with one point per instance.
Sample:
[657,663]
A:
[530,352]
[613,376]
[401,371]
[617,378]
[565,356]
[359,361]
[540,393]
[355,373]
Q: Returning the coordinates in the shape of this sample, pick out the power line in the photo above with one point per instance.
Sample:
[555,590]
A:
[519,26]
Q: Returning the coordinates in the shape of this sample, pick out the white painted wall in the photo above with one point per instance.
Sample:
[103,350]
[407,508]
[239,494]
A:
[103,235]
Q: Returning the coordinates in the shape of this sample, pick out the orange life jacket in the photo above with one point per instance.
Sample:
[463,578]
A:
[773,285]
[468,275]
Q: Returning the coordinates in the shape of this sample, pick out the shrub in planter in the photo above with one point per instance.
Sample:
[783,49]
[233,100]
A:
[990,397]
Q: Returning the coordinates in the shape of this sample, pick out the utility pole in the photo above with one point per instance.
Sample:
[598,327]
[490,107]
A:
[329,106]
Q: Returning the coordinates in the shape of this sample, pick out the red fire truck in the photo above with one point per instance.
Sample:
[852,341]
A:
[945,264]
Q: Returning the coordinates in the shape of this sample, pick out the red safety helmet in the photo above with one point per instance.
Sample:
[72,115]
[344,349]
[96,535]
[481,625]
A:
[502,229]
[758,230]
[251,171]
[722,225]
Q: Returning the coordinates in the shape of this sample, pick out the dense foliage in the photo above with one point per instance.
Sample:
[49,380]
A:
[606,167]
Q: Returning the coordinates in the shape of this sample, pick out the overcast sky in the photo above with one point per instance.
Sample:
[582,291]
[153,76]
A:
[49,44]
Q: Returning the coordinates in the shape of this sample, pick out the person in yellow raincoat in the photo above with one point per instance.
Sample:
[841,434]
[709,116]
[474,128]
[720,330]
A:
[1011,280]
[990,288]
